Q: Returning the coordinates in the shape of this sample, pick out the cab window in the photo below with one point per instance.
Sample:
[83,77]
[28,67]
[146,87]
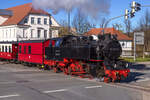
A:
[58,42]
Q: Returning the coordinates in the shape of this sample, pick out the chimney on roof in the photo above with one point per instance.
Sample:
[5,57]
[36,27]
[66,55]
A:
[6,12]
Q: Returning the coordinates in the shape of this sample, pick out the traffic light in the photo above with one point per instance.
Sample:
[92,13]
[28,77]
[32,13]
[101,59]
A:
[126,14]
[132,13]
[138,6]
[135,6]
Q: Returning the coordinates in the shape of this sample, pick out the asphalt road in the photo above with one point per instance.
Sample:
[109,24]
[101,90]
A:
[140,75]
[19,82]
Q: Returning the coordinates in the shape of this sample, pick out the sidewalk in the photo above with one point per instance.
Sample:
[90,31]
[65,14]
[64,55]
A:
[144,63]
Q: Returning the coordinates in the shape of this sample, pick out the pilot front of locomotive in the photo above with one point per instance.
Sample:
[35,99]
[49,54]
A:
[110,49]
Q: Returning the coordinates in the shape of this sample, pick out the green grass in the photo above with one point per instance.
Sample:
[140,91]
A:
[137,59]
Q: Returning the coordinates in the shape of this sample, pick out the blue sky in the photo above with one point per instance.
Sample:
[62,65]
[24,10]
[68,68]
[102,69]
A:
[117,8]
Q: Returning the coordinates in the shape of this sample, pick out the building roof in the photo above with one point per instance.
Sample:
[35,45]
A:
[120,35]
[20,12]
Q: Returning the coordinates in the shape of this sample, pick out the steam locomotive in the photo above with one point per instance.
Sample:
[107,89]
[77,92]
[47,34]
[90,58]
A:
[85,55]
[92,56]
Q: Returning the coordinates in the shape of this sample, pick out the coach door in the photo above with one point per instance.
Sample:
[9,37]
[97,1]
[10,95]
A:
[15,51]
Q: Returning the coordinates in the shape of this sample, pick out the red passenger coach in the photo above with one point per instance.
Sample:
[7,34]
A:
[31,51]
[8,50]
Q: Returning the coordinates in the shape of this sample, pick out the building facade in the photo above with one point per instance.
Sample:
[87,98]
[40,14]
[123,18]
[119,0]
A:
[26,23]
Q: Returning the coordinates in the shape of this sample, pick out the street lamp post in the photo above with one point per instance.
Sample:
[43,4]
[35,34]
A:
[111,20]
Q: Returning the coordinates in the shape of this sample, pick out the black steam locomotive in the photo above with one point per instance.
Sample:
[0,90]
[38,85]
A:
[87,56]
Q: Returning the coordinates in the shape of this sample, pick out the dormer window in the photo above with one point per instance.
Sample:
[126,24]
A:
[26,20]
[39,21]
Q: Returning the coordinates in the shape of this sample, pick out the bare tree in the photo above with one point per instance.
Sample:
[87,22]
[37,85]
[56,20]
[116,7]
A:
[81,23]
[128,26]
[117,26]
[145,21]
[63,30]
[103,22]
[144,25]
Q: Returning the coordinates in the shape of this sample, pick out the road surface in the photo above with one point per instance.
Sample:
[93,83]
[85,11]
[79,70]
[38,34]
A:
[18,82]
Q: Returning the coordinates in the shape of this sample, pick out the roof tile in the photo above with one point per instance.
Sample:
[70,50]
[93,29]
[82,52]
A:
[19,12]
[120,35]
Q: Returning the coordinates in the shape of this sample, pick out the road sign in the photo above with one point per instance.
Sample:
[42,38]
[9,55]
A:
[139,38]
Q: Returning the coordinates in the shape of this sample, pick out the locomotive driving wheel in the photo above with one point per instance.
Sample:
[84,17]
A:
[69,70]
[55,69]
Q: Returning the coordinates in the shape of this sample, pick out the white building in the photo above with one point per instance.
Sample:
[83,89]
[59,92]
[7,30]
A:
[26,23]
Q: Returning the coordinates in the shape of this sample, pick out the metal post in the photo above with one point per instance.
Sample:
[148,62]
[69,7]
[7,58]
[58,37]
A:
[68,21]
[109,21]
[143,52]
[134,47]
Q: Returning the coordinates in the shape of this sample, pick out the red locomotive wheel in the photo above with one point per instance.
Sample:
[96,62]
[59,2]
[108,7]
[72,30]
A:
[55,69]
[107,79]
[69,70]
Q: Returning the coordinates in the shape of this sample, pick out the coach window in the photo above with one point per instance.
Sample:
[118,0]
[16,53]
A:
[5,48]
[19,49]
[24,49]
[2,48]
[9,49]
[29,51]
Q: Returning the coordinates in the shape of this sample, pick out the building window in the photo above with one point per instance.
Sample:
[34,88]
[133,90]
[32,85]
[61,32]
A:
[45,33]
[39,21]
[6,33]
[32,33]
[32,20]
[24,49]
[45,21]
[38,33]
[26,20]
[29,50]
[19,49]
[23,33]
